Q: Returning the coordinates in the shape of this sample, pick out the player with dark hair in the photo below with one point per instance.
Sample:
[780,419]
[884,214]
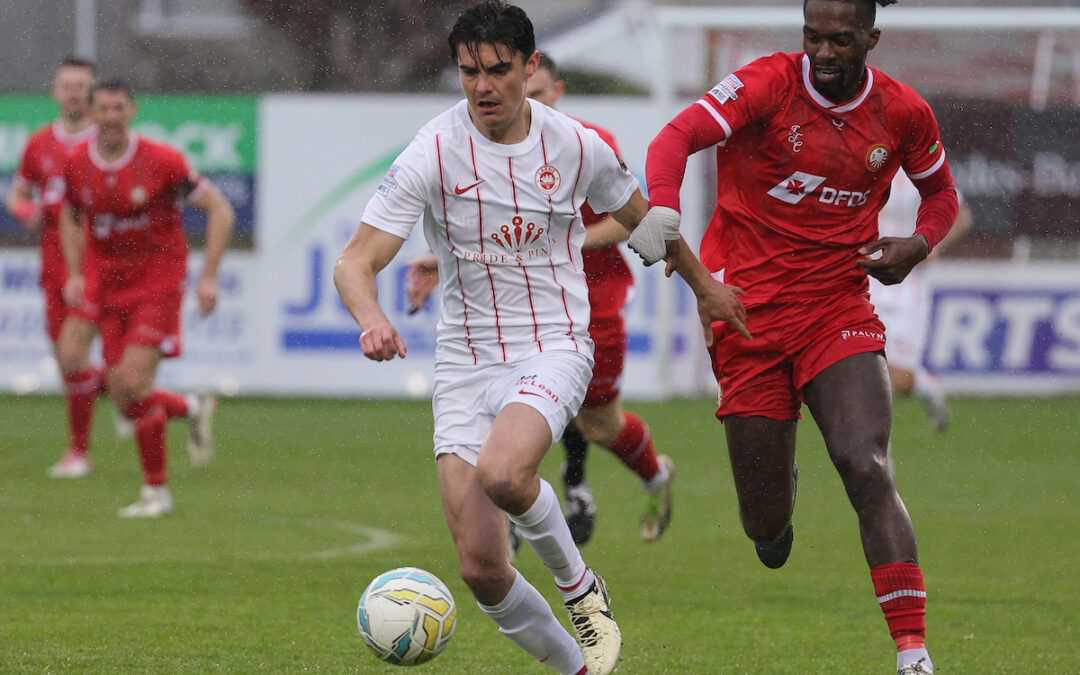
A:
[499,182]
[601,416]
[35,198]
[809,145]
[128,189]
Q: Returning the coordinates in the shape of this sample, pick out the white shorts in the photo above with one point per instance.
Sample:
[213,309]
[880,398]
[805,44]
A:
[467,398]
[904,309]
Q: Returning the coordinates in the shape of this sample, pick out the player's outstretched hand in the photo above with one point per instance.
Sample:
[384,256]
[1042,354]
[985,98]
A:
[382,343]
[720,302]
[657,235]
[421,278]
[206,290]
[899,255]
[74,289]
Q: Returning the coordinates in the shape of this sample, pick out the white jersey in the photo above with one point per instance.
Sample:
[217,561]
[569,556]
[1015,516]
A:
[505,224]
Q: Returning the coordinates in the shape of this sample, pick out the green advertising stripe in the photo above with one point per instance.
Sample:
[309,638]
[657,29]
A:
[216,133]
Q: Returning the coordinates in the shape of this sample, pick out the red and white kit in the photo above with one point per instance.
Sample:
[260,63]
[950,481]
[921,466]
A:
[136,242]
[42,169]
[800,182]
[505,222]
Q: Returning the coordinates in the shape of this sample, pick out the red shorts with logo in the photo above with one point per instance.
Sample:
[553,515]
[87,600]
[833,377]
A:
[609,336]
[147,317]
[793,342]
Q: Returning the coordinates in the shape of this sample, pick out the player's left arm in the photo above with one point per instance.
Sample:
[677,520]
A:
[604,234]
[220,219]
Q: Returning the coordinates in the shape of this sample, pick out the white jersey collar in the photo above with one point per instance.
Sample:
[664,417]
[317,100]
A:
[808,84]
[504,149]
[68,138]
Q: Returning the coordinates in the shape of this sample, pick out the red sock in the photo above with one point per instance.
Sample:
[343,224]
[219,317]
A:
[902,596]
[149,438]
[81,391]
[174,405]
[633,446]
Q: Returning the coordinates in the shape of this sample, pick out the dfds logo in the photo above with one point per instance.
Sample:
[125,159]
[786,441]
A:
[1035,332]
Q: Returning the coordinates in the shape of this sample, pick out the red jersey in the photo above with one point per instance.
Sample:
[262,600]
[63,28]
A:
[42,169]
[800,178]
[133,207]
[604,265]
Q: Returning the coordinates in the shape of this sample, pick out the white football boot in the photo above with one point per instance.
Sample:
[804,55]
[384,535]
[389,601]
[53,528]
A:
[154,502]
[597,632]
[200,444]
[71,465]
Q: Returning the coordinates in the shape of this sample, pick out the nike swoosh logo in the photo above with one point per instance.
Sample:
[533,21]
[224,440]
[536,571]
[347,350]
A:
[458,190]
[530,393]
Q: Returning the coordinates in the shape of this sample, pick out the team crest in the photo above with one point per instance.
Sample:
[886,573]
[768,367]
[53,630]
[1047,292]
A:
[138,195]
[548,179]
[877,156]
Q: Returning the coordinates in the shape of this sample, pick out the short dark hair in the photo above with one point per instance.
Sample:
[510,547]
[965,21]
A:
[866,8]
[76,62]
[492,22]
[114,84]
[548,64]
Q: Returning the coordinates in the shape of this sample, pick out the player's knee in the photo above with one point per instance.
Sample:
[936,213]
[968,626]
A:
[867,472]
[504,485]
[127,384]
[70,359]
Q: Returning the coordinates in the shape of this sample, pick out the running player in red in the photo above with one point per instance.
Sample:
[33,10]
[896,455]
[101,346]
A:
[35,198]
[128,189]
[601,418]
[809,145]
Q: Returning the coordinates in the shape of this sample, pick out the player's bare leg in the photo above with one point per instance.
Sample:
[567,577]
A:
[762,453]
[82,384]
[478,528]
[516,443]
[851,401]
[627,437]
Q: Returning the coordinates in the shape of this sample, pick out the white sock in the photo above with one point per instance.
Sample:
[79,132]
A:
[526,618]
[910,656]
[193,406]
[657,481]
[545,528]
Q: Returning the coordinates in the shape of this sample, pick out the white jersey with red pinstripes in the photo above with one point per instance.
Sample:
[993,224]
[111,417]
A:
[504,221]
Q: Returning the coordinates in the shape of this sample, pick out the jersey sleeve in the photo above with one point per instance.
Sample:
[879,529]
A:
[924,163]
[26,174]
[612,183]
[923,151]
[401,198]
[748,94]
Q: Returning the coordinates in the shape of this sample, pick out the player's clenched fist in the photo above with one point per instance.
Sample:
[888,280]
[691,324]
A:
[382,343]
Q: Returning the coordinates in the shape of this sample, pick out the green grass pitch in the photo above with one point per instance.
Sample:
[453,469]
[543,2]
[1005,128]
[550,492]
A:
[261,565]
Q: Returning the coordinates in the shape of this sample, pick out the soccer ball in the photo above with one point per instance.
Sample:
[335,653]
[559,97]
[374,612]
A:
[406,616]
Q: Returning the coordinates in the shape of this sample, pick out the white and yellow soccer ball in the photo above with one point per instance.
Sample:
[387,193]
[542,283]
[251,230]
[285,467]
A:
[406,616]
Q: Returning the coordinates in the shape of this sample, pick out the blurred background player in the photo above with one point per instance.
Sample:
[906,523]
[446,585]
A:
[601,417]
[37,193]
[811,143]
[128,190]
[904,308]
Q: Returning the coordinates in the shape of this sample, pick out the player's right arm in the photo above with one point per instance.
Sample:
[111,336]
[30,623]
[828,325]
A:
[369,251]
[20,200]
[73,247]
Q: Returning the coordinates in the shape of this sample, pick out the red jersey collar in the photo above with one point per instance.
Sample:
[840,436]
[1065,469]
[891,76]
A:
[105,165]
[826,103]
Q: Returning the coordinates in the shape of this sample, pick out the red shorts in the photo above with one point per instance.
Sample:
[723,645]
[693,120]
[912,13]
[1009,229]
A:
[793,342]
[609,336]
[126,316]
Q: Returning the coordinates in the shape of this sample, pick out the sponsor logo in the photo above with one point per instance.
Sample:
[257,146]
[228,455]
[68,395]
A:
[839,124]
[106,224]
[458,190]
[535,388]
[516,237]
[876,156]
[796,186]
[859,333]
[726,89]
[138,195]
[388,182]
[794,137]
[548,179]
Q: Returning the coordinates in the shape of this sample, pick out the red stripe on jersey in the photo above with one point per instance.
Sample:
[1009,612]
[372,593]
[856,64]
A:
[480,236]
[551,263]
[442,189]
[524,270]
[465,306]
